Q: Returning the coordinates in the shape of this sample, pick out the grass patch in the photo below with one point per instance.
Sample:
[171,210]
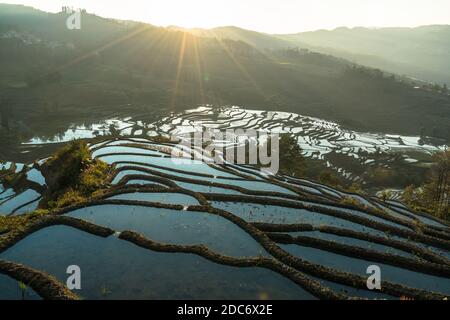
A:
[349,201]
[73,176]
[19,223]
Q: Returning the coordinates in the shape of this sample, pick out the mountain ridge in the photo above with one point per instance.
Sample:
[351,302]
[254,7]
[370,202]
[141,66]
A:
[431,67]
[112,64]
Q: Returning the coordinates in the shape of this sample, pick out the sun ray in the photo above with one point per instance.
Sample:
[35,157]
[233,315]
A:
[102,48]
[156,49]
[179,70]
[198,62]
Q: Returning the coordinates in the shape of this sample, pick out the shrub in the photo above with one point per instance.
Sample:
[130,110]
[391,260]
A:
[69,198]
[329,178]
[65,167]
[73,176]
[292,161]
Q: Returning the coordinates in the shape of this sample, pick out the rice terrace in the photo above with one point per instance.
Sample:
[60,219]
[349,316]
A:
[242,233]
[142,162]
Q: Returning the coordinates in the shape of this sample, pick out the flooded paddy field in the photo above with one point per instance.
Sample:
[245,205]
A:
[162,230]
[348,153]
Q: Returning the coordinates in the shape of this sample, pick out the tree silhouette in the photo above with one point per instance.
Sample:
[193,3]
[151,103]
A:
[441,181]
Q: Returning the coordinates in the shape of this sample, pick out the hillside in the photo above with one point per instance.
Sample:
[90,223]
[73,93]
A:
[261,41]
[108,64]
[421,52]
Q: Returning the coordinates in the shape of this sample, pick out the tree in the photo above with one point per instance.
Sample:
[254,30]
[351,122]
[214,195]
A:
[329,178]
[440,180]
[291,158]
[433,196]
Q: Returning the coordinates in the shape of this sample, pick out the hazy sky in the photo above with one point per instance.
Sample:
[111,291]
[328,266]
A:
[272,16]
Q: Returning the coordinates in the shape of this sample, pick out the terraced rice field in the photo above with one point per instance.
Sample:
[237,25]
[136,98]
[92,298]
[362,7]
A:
[319,139]
[196,230]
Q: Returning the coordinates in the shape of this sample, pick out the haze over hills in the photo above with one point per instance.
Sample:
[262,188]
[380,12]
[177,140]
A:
[259,40]
[421,52]
[114,63]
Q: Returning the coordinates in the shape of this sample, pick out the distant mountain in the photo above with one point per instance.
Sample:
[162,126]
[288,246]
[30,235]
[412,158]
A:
[258,40]
[46,69]
[422,52]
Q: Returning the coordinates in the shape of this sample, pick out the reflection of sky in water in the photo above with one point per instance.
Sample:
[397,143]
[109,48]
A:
[317,137]
[353,242]
[281,215]
[84,132]
[170,163]
[21,199]
[115,269]
[120,149]
[175,227]
[359,266]
[10,290]
[6,193]
[206,189]
[5,165]
[167,198]
[36,176]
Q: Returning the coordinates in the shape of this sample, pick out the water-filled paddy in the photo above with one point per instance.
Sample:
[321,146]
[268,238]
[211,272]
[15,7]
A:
[353,242]
[121,149]
[19,200]
[175,227]
[359,266]
[167,198]
[115,269]
[206,189]
[280,215]
[36,176]
[145,183]
[125,173]
[170,163]
[11,290]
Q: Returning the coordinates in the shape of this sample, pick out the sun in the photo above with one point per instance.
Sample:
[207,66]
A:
[187,14]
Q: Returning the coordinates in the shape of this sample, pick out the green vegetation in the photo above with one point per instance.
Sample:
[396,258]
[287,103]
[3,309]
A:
[351,202]
[292,162]
[329,178]
[23,289]
[19,223]
[65,167]
[385,170]
[433,196]
[73,177]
